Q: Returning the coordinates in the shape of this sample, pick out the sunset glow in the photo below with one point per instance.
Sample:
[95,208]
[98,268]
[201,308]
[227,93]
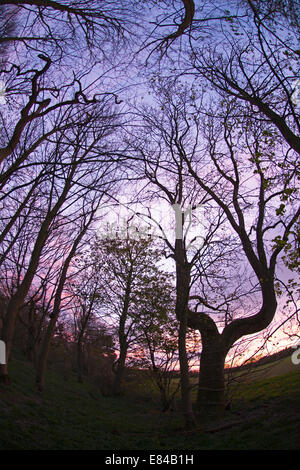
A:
[149,229]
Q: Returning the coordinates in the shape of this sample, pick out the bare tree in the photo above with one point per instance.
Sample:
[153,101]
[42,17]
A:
[168,136]
[87,290]
[68,28]
[228,164]
[86,220]
[45,102]
[254,226]
[69,161]
[246,50]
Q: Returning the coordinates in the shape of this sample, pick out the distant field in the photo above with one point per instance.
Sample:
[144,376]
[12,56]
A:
[265,414]
[274,369]
[280,367]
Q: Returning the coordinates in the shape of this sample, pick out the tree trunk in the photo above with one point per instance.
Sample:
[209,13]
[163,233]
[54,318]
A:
[43,357]
[42,361]
[211,387]
[3,365]
[79,360]
[185,377]
[164,398]
[4,378]
[119,373]
[18,298]
[183,276]
[8,330]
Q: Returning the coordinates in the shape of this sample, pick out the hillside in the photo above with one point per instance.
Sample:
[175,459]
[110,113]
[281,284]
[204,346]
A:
[265,414]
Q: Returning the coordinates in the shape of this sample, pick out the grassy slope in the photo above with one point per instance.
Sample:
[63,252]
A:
[69,415]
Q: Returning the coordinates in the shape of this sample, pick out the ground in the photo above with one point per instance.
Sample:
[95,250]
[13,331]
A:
[265,414]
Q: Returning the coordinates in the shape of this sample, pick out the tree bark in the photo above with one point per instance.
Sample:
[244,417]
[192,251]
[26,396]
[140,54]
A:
[184,375]
[215,346]
[42,361]
[80,358]
[183,277]
[119,372]
[120,369]
[211,387]
[18,298]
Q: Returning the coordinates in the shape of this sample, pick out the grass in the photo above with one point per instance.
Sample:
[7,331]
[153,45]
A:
[71,416]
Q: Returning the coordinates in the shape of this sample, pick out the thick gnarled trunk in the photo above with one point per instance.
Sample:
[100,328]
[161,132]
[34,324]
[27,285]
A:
[211,386]
[215,346]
